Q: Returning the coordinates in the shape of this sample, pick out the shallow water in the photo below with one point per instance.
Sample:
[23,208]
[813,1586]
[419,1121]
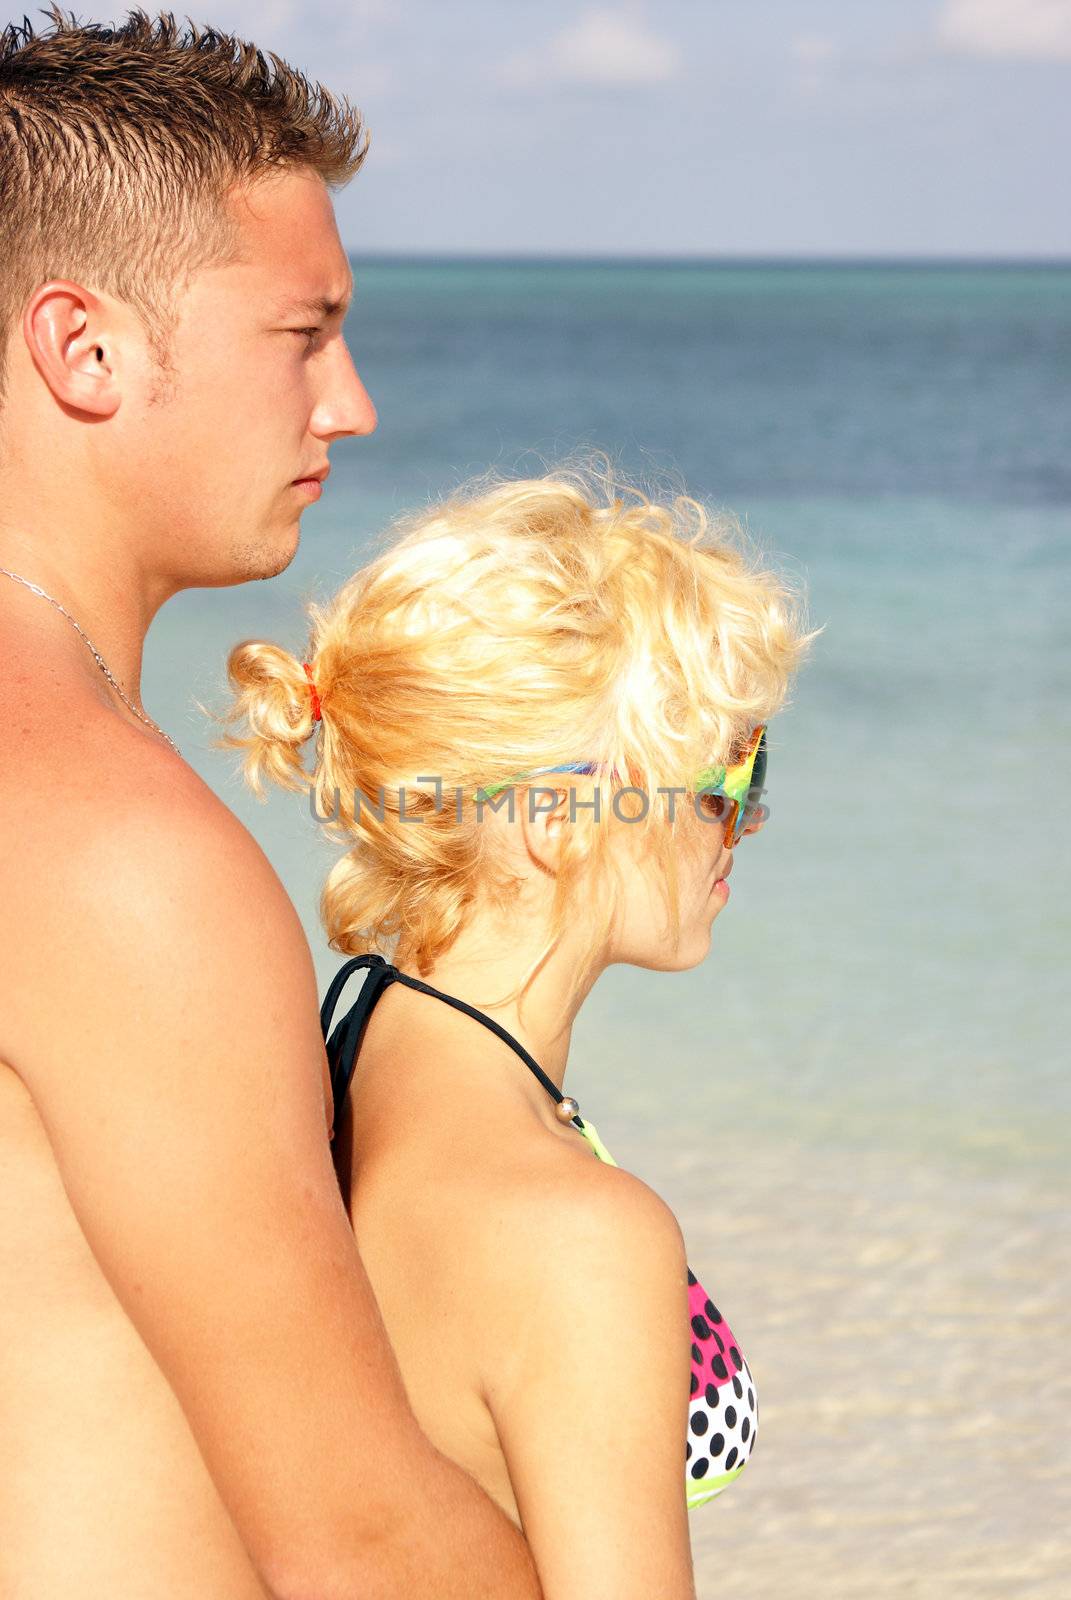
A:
[859,1105]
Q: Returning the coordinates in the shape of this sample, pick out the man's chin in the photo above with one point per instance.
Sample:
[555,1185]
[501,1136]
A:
[272,569]
[265,558]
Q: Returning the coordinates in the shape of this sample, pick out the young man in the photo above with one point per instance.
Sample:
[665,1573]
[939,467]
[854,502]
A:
[197,1398]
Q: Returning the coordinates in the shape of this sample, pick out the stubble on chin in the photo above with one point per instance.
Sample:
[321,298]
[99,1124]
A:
[266,558]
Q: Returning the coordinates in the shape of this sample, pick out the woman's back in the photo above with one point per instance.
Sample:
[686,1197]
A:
[465,1191]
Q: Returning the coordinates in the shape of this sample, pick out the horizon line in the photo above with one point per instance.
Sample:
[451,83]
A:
[727,258]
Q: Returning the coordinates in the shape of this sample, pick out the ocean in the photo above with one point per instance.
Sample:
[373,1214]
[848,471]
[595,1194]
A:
[859,1105]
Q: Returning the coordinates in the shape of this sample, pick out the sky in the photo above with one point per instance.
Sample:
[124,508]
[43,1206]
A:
[692,127]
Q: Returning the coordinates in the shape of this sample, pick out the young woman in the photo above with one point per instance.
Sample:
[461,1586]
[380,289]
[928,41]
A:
[541,732]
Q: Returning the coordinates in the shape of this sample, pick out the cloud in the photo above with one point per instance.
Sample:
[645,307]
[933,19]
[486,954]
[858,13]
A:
[813,49]
[816,57]
[1030,30]
[601,47]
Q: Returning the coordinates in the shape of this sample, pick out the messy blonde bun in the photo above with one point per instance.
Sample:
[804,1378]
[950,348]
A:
[273,703]
[514,626]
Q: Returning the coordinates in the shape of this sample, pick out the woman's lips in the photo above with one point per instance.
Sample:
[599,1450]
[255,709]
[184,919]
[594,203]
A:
[721,884]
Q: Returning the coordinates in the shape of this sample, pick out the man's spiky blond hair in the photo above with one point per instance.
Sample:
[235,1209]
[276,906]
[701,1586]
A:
[119,144]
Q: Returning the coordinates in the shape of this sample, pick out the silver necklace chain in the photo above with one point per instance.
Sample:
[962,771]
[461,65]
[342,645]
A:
[35,588]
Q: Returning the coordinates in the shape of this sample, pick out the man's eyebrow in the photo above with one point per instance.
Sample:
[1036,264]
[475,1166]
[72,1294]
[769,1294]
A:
[315,306]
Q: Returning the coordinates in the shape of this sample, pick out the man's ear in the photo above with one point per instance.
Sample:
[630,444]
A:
[543,811]
[73,342]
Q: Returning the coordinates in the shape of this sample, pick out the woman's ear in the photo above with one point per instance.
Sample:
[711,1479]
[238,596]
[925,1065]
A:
[543,810]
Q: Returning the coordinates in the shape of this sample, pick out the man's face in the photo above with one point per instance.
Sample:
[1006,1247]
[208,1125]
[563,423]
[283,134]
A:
[259,382]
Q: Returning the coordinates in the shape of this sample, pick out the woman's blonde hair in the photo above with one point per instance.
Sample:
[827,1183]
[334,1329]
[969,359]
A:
[514,626]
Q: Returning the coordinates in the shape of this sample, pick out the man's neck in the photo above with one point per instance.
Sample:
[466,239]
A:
[94,581]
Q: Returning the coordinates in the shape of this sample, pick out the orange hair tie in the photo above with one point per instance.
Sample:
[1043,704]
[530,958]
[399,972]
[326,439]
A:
[316,713]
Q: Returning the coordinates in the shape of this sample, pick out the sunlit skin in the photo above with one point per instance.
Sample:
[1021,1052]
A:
[164,479]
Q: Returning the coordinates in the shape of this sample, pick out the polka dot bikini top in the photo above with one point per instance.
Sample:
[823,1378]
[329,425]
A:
[723,1409]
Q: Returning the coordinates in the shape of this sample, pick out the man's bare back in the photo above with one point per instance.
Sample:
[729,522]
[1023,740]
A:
[104,1490]
[86,1415]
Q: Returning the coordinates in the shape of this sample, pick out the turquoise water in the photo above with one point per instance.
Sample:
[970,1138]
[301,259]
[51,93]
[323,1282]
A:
[892,965]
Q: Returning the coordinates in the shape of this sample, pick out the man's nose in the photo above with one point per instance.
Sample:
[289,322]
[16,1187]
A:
[345,407]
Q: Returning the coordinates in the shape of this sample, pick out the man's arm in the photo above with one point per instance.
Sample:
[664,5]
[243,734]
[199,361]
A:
[177,1065]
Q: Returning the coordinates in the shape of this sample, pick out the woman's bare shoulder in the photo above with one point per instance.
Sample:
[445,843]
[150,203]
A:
[486,1195]
[509,1172]
[560,1232]
[564,1184]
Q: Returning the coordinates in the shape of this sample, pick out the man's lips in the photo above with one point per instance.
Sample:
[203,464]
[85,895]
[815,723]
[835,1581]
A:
[321,475]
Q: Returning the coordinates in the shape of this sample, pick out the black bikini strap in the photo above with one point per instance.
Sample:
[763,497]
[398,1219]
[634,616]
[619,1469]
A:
[343,1044]
[489,1022]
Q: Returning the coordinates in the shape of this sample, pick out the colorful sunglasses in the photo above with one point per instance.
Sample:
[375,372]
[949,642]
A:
[739,785]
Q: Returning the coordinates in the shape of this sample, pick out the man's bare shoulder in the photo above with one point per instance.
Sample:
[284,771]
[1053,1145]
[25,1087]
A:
[122,846]
[101,797]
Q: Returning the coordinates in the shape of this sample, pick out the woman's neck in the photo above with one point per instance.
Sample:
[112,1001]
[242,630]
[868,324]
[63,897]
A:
[488,961]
